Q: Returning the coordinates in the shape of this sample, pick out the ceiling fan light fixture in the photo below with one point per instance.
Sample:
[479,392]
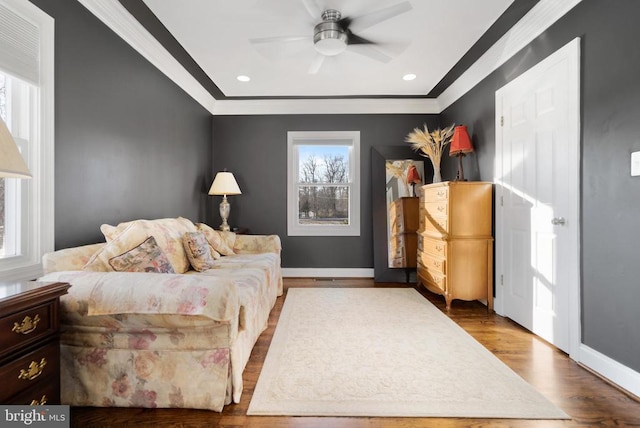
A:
[329,37]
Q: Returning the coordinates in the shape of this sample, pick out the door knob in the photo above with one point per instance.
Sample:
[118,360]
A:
[558,221]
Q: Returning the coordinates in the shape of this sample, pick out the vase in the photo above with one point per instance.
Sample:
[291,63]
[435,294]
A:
[437,178]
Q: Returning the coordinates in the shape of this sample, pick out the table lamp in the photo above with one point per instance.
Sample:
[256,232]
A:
[460,146]
[224,184]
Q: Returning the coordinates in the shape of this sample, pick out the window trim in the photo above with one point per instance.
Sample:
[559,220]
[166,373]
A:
[39,227]
[297,138]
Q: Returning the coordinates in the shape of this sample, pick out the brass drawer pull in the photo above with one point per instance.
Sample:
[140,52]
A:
[441,208]
[35,370]
[40,402]
[437,264]
[441,193]
[439,248]
[27,326]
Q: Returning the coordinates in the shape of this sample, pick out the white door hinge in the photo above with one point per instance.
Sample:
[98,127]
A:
[501,120]
[502,280]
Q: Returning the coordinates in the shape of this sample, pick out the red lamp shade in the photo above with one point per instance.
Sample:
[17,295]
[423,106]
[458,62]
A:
[460,143]
[412,175]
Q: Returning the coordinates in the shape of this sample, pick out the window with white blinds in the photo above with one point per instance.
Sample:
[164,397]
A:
[26,106]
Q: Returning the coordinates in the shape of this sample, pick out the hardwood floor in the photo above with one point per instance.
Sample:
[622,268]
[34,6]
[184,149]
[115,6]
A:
[586,398]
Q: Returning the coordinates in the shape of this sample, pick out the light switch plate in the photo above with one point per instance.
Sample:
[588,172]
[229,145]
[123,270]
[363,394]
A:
[635,164]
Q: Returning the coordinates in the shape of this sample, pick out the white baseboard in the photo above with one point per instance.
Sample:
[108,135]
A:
[326,273]
[617,373]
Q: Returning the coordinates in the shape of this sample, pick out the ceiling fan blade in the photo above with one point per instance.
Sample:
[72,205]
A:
[313,8]
[278,39]
[316,64]
[370,52]
[357,40]
[362,22]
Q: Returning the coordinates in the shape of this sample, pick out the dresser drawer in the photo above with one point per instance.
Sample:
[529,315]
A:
[30,369]
[436,247]
[428,277]
[28,326]
[434,264]
[434,225]
[435,194]
[436,209]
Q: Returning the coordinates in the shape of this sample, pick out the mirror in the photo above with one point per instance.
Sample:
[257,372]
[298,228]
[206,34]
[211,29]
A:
[403,181]
[379,157]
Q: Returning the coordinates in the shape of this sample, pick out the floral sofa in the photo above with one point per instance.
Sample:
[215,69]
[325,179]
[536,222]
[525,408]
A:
[165,313]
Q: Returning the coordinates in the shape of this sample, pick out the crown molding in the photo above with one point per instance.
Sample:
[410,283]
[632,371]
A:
[537,20]
[116,17]
[327,106]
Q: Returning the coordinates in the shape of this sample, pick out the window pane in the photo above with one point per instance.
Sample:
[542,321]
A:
[323,164]
[319,205]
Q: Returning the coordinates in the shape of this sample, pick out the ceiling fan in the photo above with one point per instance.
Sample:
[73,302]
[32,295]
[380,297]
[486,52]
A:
[335,33]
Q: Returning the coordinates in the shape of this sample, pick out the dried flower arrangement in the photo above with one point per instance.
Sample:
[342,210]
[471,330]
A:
[431,144]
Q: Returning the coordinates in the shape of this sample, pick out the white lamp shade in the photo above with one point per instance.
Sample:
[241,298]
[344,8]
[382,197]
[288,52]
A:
[11,162]
[224,184]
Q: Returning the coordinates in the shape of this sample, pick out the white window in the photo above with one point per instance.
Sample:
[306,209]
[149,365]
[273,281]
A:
[26,106]
[323,174]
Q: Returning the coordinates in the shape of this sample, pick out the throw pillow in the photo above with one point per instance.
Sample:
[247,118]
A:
[146,257]
[218,240]
[123,242]
[198,251]
[167,232]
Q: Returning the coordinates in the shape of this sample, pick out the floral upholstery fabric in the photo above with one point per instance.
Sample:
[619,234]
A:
[146,257]
[198,251]
[167,233]
[164,340]
[69,258]
[219,241]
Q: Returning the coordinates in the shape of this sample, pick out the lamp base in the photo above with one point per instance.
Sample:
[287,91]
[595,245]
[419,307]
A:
[225,209]
[460,176]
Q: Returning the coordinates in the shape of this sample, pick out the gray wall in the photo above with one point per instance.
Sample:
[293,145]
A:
[129,142]
[610,197]
[254,148]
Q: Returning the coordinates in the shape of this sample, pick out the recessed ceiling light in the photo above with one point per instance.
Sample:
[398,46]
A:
[410,76]
[243,78]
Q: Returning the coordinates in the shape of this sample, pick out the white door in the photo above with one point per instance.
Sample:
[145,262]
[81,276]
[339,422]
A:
[537,185]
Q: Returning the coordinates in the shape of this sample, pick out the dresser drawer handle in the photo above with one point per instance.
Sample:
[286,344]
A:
[40,402]
[441,208]
[439,248]
[437,264]
[35,370]
[441,193]
[27,326]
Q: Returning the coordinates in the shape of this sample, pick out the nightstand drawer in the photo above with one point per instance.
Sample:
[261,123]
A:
[27,326]
[37,367]
[45,392]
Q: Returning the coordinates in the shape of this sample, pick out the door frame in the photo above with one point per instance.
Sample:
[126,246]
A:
[570,52]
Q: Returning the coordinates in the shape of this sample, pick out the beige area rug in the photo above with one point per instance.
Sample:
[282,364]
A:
[384,352]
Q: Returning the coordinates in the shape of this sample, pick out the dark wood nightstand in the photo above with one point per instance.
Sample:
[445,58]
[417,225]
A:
[29,342]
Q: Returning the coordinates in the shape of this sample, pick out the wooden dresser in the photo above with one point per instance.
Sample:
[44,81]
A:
[29,342]
[455,242]
[403,242]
